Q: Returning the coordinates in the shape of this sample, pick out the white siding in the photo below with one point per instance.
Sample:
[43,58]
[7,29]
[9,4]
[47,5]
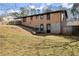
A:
[55,28]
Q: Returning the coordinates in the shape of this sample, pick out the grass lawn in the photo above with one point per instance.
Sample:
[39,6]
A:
[16,41]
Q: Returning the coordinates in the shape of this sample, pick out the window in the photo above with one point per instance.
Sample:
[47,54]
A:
[48,16]
[41,16]
[36,17]
[24,19]
[41,27]
[31,18]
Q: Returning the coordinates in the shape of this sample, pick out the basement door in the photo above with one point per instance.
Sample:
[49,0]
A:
[41,28]
[48,26]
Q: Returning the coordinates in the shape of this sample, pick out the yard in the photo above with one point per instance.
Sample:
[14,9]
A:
[16,41]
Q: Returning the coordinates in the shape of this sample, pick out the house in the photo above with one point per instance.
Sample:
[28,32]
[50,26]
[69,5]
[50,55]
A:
[10,19]
[51,22]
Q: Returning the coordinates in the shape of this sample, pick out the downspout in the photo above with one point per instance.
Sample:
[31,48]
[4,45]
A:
[61,23]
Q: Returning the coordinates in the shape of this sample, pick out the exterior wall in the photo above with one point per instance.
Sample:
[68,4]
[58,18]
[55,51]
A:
[34,21]
[57,21]
[55,18]
[26,22]
[65,29]
[54,21]
[55,28]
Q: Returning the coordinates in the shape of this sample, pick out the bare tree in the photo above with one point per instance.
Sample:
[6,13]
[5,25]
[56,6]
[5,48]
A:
[24,11]
[75,9]
[47,9]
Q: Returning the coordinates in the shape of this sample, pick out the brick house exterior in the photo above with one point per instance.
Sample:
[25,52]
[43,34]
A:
[50,22]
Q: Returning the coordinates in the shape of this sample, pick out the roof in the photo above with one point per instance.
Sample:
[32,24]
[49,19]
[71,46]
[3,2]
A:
[44,14]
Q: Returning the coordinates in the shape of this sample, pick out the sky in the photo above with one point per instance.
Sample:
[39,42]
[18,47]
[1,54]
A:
[14,7]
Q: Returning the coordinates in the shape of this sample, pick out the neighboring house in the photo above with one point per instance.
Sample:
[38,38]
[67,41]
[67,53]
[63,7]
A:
[10,19]
[51,22]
